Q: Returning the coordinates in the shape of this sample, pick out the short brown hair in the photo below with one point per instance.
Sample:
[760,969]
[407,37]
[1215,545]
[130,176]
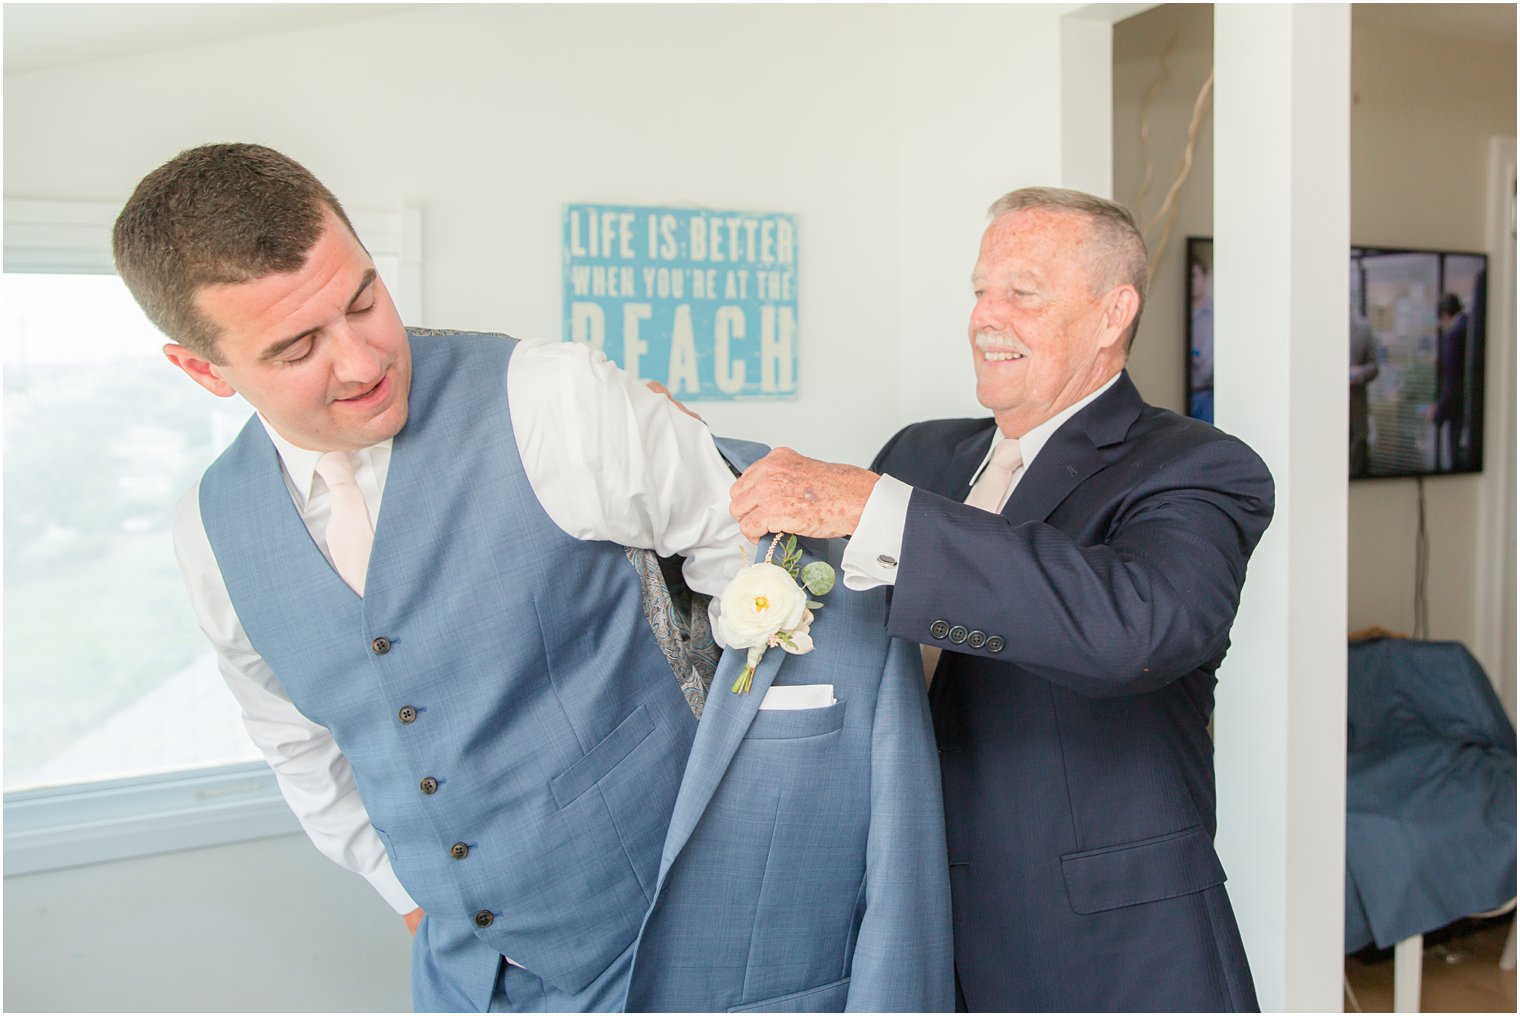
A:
[1119,256]
[215,215]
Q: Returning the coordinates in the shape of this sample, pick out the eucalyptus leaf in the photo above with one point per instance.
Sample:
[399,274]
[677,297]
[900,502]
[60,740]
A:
[818,577]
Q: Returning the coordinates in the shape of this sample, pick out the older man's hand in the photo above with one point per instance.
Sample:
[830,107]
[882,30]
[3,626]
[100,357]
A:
[789,493]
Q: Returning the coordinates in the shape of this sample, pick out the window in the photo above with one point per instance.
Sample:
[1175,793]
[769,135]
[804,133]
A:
[106,673]
[114,710]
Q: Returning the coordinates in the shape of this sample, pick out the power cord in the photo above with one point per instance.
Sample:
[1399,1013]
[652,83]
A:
[1421,568]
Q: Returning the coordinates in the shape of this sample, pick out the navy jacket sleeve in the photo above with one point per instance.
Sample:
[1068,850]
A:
[1128,585]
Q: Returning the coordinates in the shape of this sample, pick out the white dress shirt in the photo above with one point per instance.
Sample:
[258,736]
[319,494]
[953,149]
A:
[878,538]
[608,460]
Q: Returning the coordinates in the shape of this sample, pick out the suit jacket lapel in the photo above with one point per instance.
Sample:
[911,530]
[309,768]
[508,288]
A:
[954,481]
[1074,452]
[1068,458]
[725,719]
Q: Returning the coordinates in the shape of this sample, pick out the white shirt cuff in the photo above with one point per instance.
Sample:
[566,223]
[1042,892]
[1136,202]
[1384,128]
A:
[870,559]
[384,881]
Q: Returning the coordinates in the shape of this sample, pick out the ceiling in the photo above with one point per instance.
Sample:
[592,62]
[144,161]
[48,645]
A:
[39,35]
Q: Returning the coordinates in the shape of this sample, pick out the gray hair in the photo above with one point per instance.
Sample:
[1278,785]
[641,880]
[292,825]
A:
[1117,255]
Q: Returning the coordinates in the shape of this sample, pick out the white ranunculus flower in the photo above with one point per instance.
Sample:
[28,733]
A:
[761,601]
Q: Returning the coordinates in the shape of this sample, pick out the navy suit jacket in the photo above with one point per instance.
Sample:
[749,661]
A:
[1082,628]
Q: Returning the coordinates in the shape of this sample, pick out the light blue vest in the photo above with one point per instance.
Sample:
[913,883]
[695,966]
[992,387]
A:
[515,732]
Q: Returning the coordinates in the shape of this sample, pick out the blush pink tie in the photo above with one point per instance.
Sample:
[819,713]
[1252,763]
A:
[988,494]
[992,486]
[349,530]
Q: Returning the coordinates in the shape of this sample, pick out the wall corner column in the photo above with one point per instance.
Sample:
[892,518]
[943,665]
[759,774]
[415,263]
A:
[1281,239]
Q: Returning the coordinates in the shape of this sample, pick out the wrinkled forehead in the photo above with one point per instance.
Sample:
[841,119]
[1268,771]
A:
[1049,243]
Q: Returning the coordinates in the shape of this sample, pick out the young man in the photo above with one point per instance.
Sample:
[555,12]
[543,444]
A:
[413,566]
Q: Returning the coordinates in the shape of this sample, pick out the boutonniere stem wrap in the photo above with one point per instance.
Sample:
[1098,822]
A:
[768,604]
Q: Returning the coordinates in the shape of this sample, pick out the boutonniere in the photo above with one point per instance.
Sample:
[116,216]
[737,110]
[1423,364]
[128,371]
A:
[767,605]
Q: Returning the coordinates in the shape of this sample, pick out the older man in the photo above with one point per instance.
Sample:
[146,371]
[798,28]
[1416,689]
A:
[1078,560]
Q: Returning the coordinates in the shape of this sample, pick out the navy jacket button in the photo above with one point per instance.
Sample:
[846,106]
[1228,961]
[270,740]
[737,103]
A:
[958,634]
[976,639]
[939,629]
[994,643]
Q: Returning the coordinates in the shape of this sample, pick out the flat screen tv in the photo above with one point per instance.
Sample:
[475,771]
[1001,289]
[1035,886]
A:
[1415,367]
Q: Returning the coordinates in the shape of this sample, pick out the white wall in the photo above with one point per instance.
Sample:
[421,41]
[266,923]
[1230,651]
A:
[262,926]
[886,130]
[970,129]
[1282,182]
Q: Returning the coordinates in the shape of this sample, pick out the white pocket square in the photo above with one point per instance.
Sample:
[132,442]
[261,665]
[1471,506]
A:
[798,696]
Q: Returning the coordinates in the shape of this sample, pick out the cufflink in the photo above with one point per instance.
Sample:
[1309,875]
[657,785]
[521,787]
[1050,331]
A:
[886,560]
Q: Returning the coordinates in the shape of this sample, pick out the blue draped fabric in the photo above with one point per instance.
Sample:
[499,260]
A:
[1430,791]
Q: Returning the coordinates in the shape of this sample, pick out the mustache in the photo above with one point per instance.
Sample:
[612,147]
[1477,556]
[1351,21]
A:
[998,343]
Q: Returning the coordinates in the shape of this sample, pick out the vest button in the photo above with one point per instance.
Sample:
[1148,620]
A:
[406,714]
[483,918]
[380,645]
[428,785]
[459,851]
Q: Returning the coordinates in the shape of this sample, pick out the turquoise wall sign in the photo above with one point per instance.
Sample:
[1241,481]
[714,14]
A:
[705,302]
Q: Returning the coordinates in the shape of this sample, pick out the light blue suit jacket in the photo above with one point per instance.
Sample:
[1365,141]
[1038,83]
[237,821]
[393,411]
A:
[805,868]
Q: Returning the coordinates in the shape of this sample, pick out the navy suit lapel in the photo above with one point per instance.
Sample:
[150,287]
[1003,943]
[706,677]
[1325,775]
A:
[1077,450]
[954,481]
[1068,458]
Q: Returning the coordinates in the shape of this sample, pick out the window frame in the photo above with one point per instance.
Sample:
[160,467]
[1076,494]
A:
[117,819]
